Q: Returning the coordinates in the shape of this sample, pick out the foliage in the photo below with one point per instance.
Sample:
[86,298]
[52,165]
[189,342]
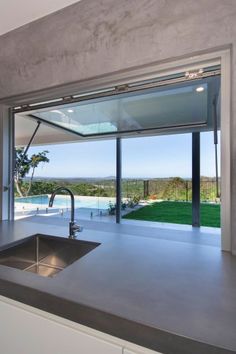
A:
[25,165]
[133,201]
[173,189]
[152,197]
[130,203]
[136,199]
[111,208]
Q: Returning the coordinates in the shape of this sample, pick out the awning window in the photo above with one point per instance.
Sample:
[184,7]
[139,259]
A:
[184,106]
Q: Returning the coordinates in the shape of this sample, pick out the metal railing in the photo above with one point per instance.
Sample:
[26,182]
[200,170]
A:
[169,189]
[161,188]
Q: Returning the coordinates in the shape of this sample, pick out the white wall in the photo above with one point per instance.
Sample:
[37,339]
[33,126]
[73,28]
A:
[15,13]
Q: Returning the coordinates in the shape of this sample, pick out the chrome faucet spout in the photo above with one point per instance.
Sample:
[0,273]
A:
[73,227]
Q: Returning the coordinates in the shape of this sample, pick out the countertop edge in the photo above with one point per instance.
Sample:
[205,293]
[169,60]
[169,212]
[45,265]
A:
[125,329]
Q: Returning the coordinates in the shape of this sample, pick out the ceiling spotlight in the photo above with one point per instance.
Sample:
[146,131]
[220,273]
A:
[200,89]
[70,110]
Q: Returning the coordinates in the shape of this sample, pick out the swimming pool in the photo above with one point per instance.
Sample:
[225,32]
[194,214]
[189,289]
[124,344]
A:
[63,201]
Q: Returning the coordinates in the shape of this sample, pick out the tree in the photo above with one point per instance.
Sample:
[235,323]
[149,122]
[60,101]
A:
[25,165]
[175,189]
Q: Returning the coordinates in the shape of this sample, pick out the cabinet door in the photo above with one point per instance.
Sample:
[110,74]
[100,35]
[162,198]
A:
[23,332]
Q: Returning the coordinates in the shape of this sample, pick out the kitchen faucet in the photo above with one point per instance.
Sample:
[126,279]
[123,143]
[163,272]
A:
[73,227]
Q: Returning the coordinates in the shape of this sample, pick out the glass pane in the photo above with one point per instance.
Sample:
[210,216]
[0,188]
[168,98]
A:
[157,183]
[210,201]
[179,105]
[88,169]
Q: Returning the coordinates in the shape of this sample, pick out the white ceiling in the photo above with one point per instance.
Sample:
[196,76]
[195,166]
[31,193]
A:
[16,13]
[24,128]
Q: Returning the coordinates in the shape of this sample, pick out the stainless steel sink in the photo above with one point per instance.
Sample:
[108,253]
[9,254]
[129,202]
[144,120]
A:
[44,255]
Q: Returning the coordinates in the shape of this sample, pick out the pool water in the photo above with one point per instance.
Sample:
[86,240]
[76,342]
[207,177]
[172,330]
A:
[62,201]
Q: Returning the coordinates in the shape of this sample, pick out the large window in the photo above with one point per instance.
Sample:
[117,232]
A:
[161,181]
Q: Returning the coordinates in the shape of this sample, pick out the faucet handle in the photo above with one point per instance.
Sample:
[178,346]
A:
[78,228]
[74,228]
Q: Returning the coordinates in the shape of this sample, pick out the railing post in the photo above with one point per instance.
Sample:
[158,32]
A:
[118,180]
[186,191]
[145,188]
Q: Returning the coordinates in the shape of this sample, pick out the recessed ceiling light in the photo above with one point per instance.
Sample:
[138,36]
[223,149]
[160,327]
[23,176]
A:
[200,89]
[70,110]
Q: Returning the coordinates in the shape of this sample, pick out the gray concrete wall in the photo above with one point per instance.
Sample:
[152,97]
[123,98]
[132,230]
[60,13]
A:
[95,37]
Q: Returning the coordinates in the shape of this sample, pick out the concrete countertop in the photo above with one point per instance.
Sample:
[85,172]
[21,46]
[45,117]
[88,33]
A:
[166,295]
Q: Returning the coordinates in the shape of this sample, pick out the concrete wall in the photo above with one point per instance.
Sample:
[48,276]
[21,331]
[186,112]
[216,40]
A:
[95,37]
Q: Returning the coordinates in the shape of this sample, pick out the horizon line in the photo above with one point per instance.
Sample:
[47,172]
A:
[114,177]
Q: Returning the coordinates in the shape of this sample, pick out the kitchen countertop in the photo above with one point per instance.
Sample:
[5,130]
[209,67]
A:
[172,296]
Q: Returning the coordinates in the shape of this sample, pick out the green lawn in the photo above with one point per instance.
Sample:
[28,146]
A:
[177,213]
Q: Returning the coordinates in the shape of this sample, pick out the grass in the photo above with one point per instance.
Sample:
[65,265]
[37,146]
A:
[177,213]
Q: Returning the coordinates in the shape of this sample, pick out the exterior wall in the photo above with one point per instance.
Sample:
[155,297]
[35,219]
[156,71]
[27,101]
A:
[95,37]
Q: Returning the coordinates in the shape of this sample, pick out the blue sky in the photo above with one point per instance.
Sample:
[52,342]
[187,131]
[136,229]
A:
[162,156]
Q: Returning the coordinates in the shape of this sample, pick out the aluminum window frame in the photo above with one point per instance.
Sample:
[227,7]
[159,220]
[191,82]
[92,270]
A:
[94,99]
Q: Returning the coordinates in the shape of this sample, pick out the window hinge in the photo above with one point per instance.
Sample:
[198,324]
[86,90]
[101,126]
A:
[194,74]
[122,88]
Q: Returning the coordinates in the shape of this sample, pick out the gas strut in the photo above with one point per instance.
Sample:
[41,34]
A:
[6,188]
[216,143]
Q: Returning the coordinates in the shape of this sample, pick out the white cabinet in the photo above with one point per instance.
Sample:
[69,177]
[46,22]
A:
[141,351]
[24,332]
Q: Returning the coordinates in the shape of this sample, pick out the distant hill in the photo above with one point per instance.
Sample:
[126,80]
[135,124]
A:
[72,179]
[108,178]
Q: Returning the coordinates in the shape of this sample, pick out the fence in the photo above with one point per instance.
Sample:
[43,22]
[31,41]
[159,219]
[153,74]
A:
[169,189]
[161,188]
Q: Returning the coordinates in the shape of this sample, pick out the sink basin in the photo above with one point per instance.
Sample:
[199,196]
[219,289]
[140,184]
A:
[43,254]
